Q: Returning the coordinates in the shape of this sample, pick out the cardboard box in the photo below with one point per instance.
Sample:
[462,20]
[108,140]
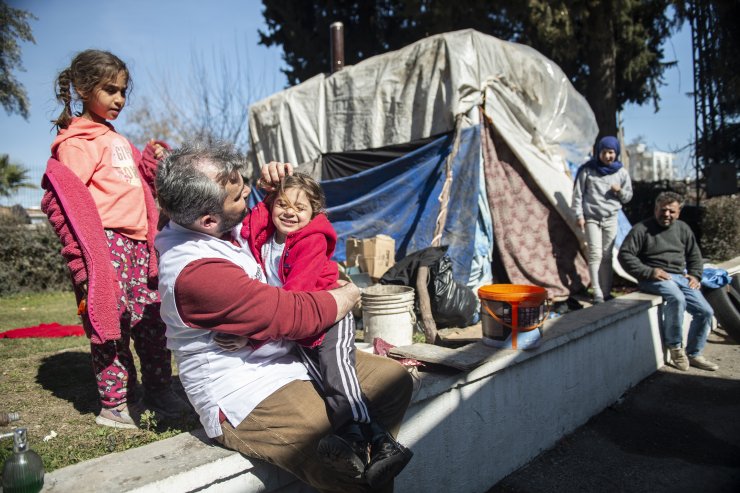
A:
[372,255]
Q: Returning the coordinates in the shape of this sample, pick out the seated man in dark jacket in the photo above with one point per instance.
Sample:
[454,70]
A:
[662,253]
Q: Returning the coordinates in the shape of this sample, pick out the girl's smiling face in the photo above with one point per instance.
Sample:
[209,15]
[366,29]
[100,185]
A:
[291,212]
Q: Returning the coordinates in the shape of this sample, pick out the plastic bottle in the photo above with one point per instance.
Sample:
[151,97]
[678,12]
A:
[6,418]
[23,472]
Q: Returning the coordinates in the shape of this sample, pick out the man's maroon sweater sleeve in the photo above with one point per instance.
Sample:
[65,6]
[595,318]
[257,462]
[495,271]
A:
[216,294]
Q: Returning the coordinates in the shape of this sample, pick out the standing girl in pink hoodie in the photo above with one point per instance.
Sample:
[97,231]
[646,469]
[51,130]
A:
[99,199]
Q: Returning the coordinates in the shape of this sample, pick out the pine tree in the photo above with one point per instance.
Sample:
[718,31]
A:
[610,49]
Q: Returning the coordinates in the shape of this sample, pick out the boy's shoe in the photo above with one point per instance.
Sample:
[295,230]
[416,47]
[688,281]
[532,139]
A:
[679,358]
[702,363]
[387,459]
[116,417]
[166,402]
[346,456]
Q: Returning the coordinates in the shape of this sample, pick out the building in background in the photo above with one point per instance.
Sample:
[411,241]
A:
[649,165]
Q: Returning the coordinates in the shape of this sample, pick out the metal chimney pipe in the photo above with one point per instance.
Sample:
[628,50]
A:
[336,31]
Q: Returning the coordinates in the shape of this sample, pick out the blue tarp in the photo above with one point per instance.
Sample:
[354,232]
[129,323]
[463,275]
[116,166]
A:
[400,199]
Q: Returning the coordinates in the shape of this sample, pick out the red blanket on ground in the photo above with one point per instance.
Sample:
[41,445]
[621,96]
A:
[44,330]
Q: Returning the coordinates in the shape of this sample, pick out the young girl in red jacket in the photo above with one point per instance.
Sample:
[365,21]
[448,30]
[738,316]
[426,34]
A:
[99,200]
[291,237]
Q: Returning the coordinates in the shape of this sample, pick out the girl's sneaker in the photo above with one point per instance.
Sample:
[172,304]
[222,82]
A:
[116,417]
[345,451]
[387,460]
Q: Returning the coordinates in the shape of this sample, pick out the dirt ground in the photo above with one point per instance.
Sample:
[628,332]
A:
[674,432]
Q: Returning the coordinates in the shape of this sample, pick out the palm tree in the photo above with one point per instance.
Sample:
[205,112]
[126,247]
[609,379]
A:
[12,177]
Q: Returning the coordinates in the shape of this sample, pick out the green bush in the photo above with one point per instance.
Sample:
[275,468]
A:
[721,228]
[30,258]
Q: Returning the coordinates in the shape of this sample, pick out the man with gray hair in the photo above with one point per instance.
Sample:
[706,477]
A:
[662,253]
[259,400]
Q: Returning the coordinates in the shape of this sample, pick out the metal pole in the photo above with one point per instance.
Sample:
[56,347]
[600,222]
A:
[337,46]
[700,129]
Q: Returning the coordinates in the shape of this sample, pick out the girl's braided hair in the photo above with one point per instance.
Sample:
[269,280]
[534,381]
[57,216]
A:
[88,70]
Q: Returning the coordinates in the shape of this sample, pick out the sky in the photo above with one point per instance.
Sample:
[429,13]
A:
[161,37]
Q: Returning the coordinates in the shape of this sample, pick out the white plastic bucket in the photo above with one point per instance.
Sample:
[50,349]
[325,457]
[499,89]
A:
[386,293]
[388,313]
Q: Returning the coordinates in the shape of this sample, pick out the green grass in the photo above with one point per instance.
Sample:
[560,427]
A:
[50,382]
[30,309]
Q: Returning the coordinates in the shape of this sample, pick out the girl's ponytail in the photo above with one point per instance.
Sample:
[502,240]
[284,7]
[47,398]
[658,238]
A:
[64,95]
[88,70]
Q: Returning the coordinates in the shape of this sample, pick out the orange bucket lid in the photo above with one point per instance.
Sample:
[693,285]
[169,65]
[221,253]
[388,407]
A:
[512,292]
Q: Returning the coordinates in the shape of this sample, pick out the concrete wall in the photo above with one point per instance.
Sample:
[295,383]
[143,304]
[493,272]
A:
[467,430]
[499,416]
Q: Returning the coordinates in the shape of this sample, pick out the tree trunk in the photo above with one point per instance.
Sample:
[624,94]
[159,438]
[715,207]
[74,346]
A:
[601,57]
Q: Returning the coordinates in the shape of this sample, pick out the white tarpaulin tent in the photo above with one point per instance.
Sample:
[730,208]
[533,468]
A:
[436,86]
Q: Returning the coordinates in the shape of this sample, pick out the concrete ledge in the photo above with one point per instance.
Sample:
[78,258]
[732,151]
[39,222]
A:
[732,266]
[499,416]
[467,430]
[187,462]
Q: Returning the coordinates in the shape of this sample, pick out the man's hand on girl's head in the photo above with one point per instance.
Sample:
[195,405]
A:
[272,173]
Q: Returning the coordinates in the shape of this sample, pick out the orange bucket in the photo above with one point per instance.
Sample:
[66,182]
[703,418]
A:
[510,309]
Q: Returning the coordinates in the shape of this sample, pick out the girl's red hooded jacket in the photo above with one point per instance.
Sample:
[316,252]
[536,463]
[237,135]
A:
[305,264]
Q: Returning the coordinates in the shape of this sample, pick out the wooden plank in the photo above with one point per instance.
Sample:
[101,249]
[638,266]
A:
[461,334]
[425,305]
[464,358]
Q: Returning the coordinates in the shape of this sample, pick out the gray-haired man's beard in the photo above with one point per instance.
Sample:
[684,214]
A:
[228,222]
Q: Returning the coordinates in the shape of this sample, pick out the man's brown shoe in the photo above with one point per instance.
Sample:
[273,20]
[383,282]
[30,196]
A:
[702,363]
[679,358]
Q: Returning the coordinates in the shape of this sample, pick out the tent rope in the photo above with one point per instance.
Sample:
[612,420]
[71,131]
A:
[444,196]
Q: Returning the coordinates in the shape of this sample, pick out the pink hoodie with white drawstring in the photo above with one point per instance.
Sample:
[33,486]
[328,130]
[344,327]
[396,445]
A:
[77,213]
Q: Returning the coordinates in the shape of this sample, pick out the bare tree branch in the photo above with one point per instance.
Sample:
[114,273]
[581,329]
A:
[209,103]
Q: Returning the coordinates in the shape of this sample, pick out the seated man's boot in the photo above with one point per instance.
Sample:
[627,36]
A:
[679,358]
[387,457]
[345,451]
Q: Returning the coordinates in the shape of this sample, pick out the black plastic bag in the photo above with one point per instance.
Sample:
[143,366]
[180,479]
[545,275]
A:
[453,304]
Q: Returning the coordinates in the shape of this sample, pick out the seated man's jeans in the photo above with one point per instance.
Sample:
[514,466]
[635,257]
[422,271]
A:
[678,297]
